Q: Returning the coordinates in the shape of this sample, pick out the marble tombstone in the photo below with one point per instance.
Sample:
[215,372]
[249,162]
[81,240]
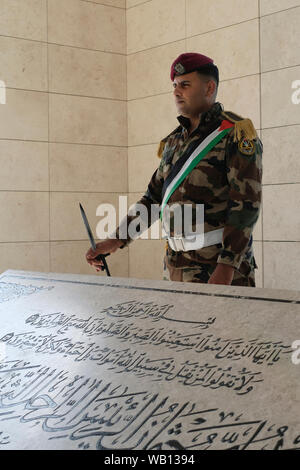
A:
[90,362]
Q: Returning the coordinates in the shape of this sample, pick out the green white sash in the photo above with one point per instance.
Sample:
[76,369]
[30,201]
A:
[198,154]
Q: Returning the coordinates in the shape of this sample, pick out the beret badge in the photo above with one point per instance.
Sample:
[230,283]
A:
[179,68]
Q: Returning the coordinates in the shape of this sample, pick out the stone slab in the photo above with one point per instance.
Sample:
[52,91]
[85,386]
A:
[89,362]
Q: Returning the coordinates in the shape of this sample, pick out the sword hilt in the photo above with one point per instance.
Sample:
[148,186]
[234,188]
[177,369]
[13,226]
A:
[102,258]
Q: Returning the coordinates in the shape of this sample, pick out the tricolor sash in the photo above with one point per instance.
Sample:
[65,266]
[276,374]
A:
[187,163]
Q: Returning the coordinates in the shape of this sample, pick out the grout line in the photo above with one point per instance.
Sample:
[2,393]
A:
[142,3]
[262,16]
[104,4]
[280,184]
[63,45]
[280,11]
[127,126]
[185,26]
[280,241]
[260,118]
[57,191]
[279,127]
[280,68]
[48,146]
[66,94]
[63,143]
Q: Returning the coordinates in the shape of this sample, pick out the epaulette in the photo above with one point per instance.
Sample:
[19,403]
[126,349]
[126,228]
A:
[243,128]
[162,143]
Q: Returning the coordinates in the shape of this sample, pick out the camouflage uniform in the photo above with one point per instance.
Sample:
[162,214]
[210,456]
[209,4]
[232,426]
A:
[228,182]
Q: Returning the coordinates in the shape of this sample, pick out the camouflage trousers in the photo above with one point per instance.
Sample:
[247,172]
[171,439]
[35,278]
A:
[244,276]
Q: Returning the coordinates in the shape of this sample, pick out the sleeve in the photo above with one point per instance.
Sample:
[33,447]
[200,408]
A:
[151,196]
[244,176]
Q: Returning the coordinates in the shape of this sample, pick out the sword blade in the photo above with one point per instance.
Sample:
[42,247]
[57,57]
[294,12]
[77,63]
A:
[88,228]
[92,240]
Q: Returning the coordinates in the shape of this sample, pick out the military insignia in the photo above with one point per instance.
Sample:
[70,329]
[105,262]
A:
[179,68]
[246,147]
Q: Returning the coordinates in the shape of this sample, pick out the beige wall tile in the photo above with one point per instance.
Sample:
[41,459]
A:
[88,168]
[281,217]
[25,256]
[24,216]
[281,266]
[23,64]
[146,259]
[68,67]
[69,257]
[24,116]
[151,119]
[142,162]
[155,23]
[208,15]
[229,48]
[87,120]
[24,166]
[285,41]
[84,24]
[280,160]
[133,3]
[278,108]
[257,232]
[258,255]
[241,96]
[65,218]
[25,19]
[134,197]
[148,72]
[271,6]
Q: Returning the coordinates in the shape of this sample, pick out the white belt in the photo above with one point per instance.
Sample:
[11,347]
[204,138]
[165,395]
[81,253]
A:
[196,241]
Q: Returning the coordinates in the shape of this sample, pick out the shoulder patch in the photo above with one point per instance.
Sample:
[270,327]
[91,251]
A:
[246,147]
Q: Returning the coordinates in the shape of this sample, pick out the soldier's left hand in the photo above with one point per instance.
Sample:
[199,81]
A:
[223,274]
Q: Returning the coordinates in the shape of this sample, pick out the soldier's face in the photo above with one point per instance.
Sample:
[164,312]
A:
[192,94]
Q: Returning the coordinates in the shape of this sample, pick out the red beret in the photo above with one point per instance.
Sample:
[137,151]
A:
[191,61]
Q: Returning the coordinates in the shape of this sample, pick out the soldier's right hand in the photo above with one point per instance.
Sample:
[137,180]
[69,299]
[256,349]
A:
[102,248]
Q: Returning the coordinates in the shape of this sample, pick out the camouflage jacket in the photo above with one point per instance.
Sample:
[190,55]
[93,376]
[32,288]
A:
[227,181]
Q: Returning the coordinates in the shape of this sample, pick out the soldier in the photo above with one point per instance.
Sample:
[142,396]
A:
[214,157]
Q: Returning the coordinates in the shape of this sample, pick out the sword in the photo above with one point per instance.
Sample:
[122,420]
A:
[92,240]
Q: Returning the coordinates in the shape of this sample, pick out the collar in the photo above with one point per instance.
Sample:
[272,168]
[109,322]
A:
[211,115]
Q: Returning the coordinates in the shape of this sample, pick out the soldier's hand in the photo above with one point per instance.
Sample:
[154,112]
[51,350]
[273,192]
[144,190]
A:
[102,248]
[223,274]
